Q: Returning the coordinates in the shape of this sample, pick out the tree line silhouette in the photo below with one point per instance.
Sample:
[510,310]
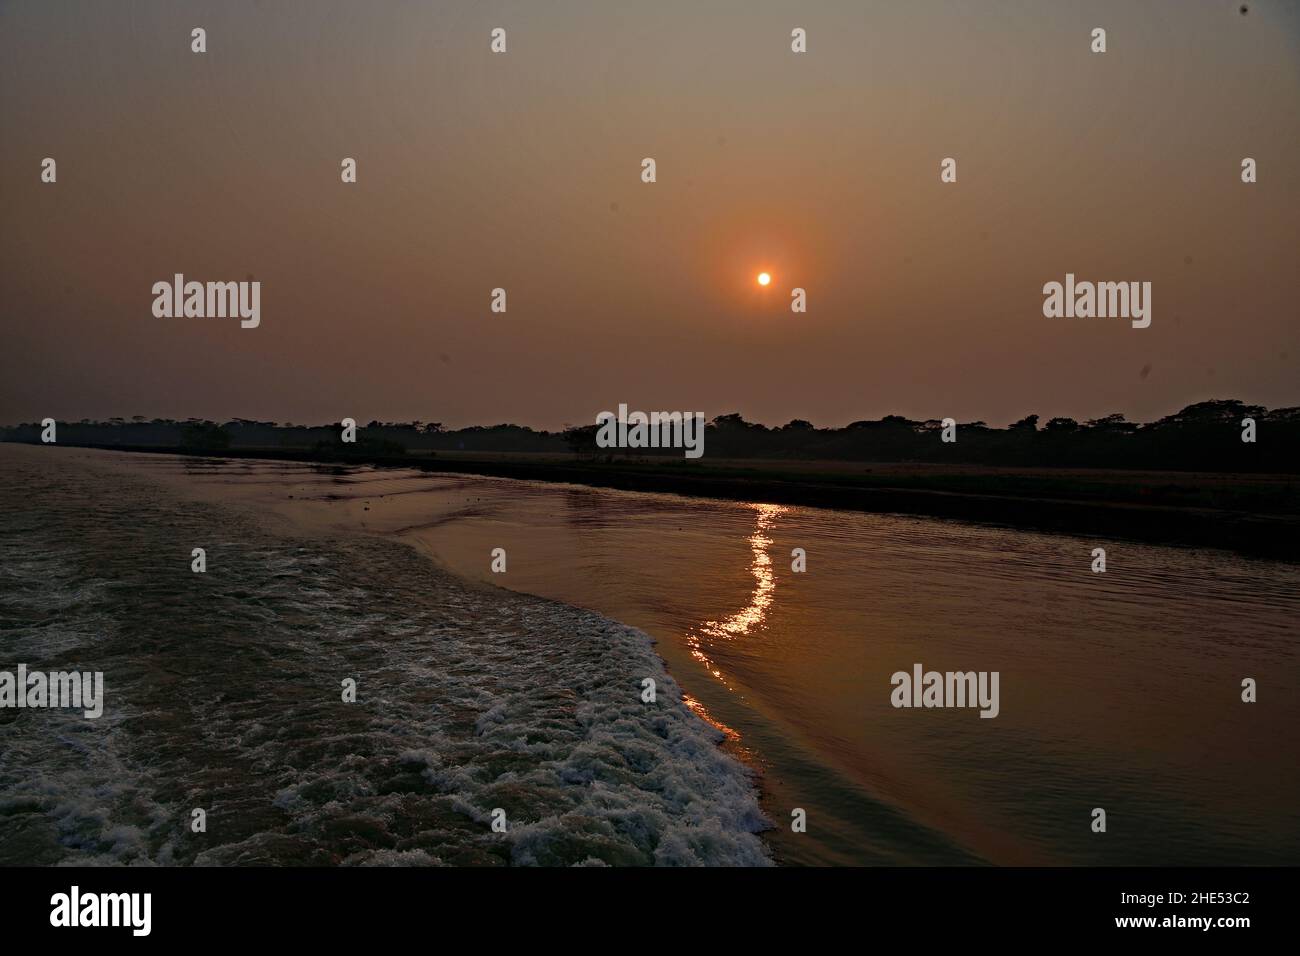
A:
[1204,436]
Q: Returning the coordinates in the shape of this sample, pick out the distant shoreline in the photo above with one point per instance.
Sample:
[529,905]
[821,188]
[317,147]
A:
[1104,503]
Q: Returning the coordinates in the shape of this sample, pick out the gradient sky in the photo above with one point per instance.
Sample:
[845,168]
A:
[523,171]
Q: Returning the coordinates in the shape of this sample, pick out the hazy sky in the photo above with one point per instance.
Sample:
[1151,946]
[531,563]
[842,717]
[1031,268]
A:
[522,171]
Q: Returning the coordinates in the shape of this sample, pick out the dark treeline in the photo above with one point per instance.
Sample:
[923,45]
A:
[375,438]
[1205,436]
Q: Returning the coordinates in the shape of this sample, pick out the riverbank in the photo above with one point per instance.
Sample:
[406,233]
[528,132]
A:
[1254,515]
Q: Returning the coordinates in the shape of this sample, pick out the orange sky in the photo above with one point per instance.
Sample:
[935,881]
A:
[522,171]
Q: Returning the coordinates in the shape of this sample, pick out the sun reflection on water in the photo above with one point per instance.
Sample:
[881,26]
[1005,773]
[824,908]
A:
[751,617]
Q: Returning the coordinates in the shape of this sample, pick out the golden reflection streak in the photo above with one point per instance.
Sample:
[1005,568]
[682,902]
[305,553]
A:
[733,736]
[760,600]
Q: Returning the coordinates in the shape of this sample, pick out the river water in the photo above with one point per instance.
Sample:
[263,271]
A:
[1118,690]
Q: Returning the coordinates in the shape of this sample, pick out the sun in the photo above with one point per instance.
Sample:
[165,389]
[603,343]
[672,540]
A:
[764,278]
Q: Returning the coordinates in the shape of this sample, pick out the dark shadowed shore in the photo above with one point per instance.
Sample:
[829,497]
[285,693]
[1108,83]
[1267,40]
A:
[1256,514]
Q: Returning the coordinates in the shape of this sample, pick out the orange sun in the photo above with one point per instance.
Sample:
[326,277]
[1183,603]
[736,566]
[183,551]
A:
[764,278]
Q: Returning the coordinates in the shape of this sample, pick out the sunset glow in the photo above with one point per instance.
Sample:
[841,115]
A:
[409,461]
